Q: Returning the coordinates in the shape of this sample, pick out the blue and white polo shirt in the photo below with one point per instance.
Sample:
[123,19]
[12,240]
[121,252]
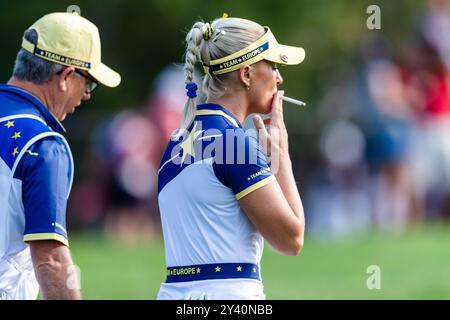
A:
[36,173]
[201,177]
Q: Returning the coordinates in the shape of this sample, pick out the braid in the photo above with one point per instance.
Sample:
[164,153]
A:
[193,39]
[191,55]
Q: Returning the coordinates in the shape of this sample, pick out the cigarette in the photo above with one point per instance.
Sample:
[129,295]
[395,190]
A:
[297,102]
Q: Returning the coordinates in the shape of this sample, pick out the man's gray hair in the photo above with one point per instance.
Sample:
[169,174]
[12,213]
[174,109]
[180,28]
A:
[29,67]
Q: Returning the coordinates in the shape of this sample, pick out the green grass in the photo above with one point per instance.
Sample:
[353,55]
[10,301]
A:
[415,265]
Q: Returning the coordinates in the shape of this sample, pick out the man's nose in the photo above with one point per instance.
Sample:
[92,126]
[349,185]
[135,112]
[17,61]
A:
[86,96]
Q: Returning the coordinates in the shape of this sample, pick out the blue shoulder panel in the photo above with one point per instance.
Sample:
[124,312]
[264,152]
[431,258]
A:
[237,159]
[15,133]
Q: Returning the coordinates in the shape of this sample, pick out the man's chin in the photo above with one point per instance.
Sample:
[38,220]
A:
[62,117]
[67,111]
[65,114]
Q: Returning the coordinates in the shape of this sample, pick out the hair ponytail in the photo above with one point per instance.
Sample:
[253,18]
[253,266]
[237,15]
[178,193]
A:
[193,39]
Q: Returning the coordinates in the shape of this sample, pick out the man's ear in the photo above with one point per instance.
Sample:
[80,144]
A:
[64,77]
[245,75]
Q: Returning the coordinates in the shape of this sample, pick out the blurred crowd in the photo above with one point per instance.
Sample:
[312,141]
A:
[384,144]
[386,141]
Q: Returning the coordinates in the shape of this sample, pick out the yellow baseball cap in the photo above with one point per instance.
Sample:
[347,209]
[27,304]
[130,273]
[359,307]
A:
[265,48]
[71,40]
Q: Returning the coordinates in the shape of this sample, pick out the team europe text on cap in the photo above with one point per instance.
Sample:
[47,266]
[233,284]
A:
[71,40]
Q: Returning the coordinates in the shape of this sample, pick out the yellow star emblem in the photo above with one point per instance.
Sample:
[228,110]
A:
[254,269]
[15,152]
[217,269]
[198,270]
[239,268]
[9,124]
[16,135]
[188,144]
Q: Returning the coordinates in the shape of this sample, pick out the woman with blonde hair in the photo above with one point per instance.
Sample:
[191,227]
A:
[219,197]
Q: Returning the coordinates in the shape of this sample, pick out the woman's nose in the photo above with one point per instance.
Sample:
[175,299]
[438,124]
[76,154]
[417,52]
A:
[279,78]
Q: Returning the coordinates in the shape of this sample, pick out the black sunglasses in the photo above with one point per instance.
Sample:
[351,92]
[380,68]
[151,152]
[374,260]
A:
[92,83]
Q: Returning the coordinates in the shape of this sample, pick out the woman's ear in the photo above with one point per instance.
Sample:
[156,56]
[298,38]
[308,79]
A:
[64,77]
[245,75]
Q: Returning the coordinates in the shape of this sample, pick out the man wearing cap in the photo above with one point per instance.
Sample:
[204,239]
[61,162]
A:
[58,66]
